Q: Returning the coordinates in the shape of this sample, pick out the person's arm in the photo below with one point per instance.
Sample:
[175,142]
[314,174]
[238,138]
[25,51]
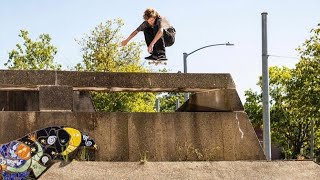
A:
[155,39]
[125,42]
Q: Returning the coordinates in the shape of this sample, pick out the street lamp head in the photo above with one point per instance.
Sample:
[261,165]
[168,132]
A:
[229,44]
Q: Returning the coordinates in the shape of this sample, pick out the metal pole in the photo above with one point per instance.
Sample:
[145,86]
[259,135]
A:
[312,139]
[177,104]
[265,90]
[158,105]
[185,70]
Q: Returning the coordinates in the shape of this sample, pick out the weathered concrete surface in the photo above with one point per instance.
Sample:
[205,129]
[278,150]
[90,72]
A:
[82,102]
[158,136]
[213,101]
[18,79]
[29,101]
[106,81]
[55,98]
[186,170]
[19,101]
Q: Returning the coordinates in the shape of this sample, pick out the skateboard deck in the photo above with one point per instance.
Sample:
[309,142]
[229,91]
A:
[31,155]
[157,62]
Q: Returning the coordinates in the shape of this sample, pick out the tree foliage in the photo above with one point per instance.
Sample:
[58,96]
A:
[305,86]
[168,101]
[102,52]
[295,97]
[33,55]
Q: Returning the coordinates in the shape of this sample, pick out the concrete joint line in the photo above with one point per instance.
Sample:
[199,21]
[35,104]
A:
[56,78]
[55,110]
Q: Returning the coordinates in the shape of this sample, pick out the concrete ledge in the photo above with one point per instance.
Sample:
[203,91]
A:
[157,136]
[106,81]
[23,79]
[185,170]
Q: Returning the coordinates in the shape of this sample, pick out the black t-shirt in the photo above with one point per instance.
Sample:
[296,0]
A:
[160,22]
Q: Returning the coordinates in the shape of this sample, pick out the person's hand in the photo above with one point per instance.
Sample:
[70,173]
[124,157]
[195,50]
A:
[123,43]
[150,48]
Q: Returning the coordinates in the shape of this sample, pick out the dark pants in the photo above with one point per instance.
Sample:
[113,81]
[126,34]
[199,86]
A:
[159,47]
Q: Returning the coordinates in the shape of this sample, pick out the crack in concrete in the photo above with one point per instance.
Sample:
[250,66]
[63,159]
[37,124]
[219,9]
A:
[239,126]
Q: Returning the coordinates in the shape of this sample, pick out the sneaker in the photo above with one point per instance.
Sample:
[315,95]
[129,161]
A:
[162,57]
[151,57]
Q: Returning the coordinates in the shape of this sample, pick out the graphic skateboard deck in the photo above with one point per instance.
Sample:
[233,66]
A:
[31,155]
[157,62]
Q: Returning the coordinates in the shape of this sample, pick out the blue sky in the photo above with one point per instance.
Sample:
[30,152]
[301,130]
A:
[198,23]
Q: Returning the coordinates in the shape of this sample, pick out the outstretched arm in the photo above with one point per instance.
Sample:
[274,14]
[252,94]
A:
[155,39]
[125,42]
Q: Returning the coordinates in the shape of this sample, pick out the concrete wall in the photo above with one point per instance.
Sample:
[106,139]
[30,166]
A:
[158,136]
[182,136]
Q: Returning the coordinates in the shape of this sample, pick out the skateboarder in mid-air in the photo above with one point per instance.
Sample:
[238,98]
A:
[157,32]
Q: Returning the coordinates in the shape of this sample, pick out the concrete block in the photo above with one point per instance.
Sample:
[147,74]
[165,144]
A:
[25,79]
[55,98]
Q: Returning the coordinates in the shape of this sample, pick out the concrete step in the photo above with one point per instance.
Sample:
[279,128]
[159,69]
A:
[185,170]
[182,136]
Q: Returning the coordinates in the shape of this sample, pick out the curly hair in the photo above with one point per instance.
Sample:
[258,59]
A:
[149,13]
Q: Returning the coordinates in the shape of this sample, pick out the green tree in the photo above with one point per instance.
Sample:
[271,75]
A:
[295,97]
[305,86]
[102,52]
[253,107]
[168,101]
[33,55]
[278,107]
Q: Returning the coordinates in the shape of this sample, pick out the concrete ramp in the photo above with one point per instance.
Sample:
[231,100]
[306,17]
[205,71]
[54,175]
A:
[185,170]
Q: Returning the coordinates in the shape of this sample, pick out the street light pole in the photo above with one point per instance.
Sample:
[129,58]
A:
[185,70]
[185,56]
[265,90]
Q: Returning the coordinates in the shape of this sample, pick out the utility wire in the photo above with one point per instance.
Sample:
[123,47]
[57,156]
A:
[288,57]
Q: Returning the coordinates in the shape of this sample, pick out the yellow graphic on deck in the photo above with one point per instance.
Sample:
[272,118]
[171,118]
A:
[74,142]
